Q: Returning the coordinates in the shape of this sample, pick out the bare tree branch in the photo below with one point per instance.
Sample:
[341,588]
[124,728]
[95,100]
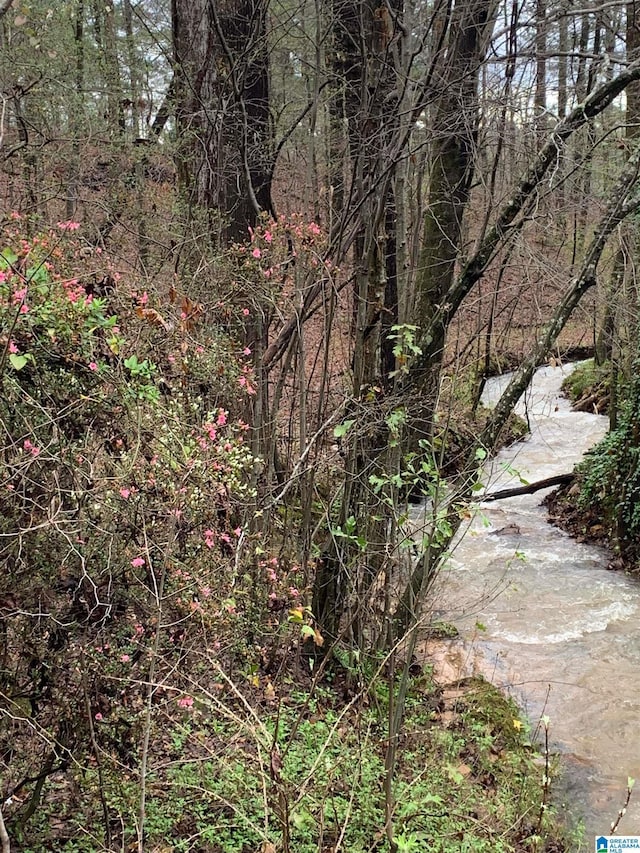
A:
[507,222]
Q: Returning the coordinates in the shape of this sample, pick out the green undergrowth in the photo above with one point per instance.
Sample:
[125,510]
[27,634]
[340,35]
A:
[604,502]
[305,773]
[589,384]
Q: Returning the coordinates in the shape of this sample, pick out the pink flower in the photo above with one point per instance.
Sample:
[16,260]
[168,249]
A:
[268,236]
[98,717]
[144,298]
[222,418]
[186,702]
[19,295]
[245,312]
[12,347]
[124,493]
[246,351]
[125,658]
[24,309]
[137,562]
[93,366]
[68,226]
[256,253]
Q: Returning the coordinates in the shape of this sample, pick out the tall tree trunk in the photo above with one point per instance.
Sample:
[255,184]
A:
[105,11]
[365,60]
[540,100]
[454,127]
[76,112]
[134,69]
[225,156]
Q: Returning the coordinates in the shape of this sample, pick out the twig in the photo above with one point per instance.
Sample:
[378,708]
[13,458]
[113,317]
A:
[305,453]
[546,778]
[96,753]
[614,826]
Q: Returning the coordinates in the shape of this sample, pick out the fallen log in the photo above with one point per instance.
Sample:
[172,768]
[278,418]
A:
[529,489]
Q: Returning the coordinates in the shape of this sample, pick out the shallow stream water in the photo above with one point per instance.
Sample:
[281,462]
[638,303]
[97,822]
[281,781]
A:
[540,615]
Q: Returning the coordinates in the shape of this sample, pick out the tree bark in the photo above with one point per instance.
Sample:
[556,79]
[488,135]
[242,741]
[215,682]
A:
[225,156]
[455,122]
[529,489]
[365,34]
[540,100]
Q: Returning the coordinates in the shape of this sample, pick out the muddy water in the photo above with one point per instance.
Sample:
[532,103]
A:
[542,617]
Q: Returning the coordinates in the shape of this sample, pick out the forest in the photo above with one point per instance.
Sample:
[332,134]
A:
[258,260]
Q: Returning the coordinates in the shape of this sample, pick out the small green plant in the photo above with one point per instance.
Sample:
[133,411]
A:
[587,376]
[405,347]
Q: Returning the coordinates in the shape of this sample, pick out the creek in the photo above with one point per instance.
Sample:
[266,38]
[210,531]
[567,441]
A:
[540,615]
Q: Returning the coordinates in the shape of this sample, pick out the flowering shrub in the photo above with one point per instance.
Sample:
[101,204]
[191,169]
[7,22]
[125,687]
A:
[279,259]
[43,306]
[134,569]
[125,497]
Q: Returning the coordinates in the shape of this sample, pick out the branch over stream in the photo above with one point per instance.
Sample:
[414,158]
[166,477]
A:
[529,489]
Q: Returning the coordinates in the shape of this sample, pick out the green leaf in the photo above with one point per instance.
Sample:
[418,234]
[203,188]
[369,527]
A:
[17,361]
[9,257]
[343,428]
[307,631]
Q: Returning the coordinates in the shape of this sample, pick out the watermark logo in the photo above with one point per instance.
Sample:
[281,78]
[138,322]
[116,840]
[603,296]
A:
[616,843]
